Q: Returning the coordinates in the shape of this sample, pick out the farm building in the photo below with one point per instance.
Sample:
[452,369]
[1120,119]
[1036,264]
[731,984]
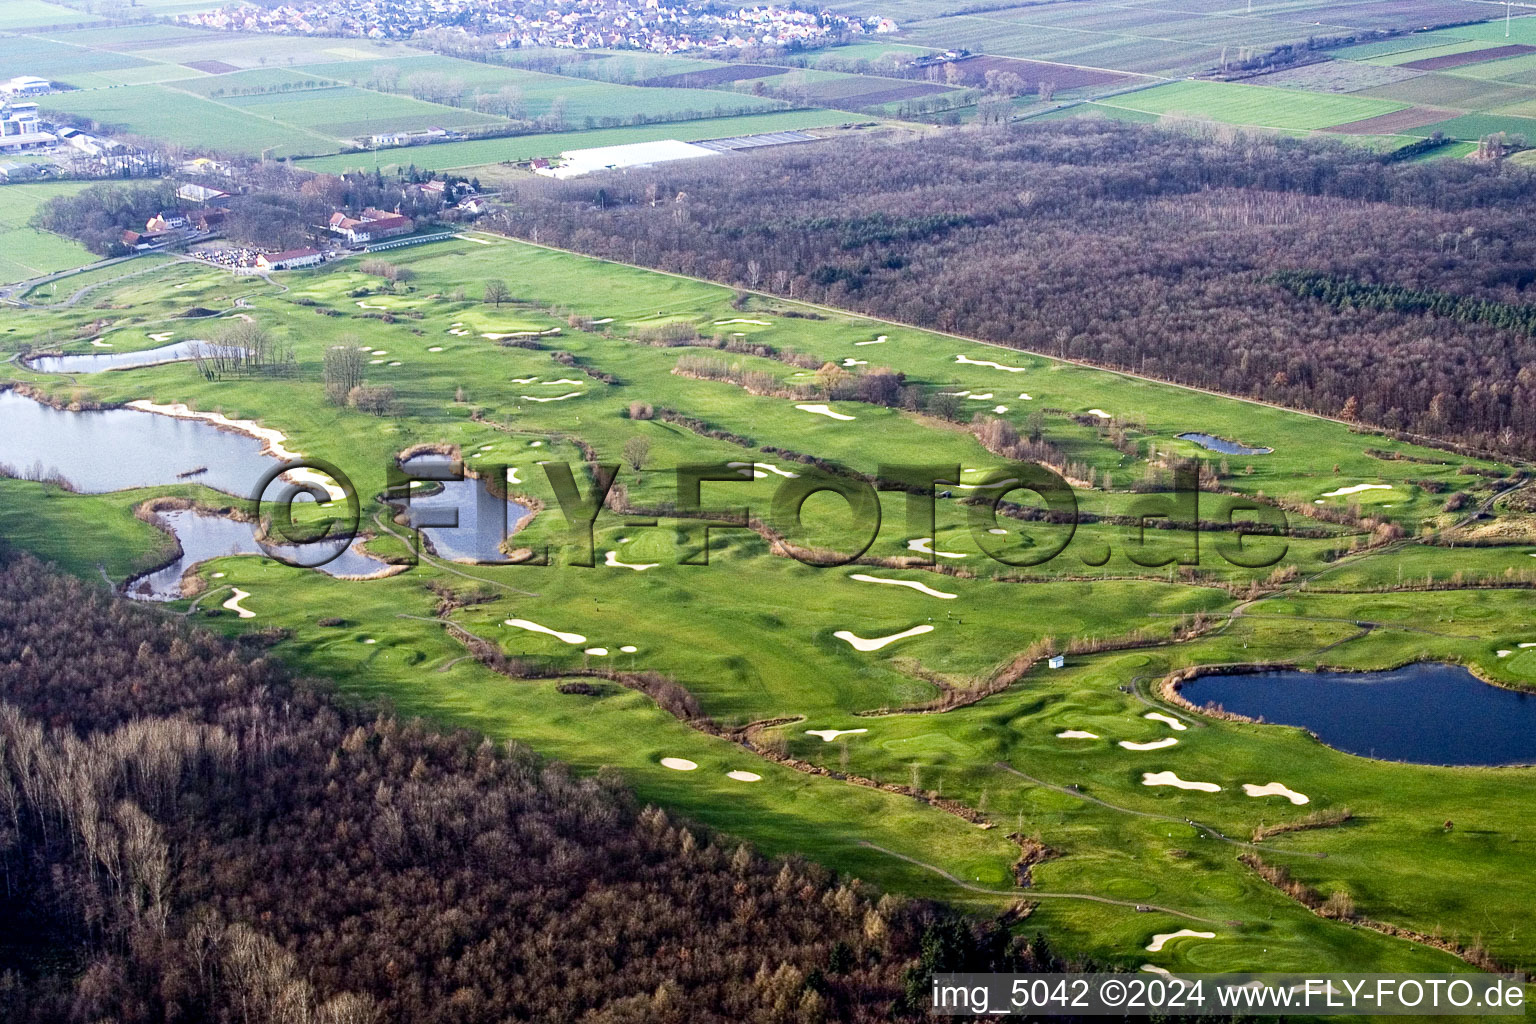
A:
[370,226]
[576,162]
[289,260]
[19,128]
[200,194]
[26,85]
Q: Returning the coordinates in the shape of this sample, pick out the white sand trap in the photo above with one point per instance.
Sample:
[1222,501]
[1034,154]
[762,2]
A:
[1159,941]
[760,323]
[924,545]
[564,380]
[380,352]
[98,343]
[921,588]
[457,323]
[435,348]
[1025,398]
[459,332]
[678,764]
[828,735]
[604,320]
[611,559]
[1166,741]
[998,531]
[986,397]
[1076,734]
[762,469]
[1154,969]
[987,362]
[218,575]
[1525,645]
[859,643]
[511,471]
[822,410]
[395,362]
[999,409]
[1503,654]
[375,362]
[161,336]
[741,776]
[559,398]
[273,441]
[850,361]
[365,304]
[1100,413]
[477,241]
[369,640]
[1356,489]
[534,627]
[628,649]
[1276,789]
[535,444]
[881,340]
[1170,779]
[234,605]
[596,652]
[524,380]
[1168,720]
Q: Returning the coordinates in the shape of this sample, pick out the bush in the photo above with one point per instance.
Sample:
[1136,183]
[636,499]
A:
[378,400]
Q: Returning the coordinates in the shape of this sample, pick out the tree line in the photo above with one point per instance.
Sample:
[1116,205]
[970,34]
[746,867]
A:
[189,834]
[1132,247]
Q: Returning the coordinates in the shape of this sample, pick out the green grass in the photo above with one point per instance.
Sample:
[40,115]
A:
[26,252]
[345,113]
[457,155]
[752,633]
[1253,106]
[20,14]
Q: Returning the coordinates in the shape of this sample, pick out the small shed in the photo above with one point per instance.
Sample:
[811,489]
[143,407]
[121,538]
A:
[1057,661]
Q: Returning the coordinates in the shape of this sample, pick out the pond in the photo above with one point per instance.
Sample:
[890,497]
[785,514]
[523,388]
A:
[95,362]
[482,520]
[1427,713]
[116,449]
[204,535]
[1211,442]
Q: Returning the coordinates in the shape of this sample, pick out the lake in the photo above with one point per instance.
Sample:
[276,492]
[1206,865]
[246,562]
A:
[116,449]
[1210,442]
[204,536]
[95,362]
[1427,713]
[483,519]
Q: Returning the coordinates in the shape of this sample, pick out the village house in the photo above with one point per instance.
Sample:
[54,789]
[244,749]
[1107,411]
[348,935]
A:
[292,259]
[371,226]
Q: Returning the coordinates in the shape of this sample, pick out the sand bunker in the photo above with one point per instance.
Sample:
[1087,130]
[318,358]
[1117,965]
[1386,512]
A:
[1170,779]
[596,652]
[477,241]
[761,469]
[1076,734]
[999,409]
[741,776]
[987,397]
[1276,789]
[512,477]
[534,627]
[369,640]
[560,398]
[233,604]
[161,336]
[98,343]
[375,362]
[380,352]
[524,380]
[564,380]
[1025,398]
[987,362]
[435,348]
[459,332]
[1100,413]
[628,649]
[850,361]
[604,320]
[998,531]
[1158,941]
[921,588]
[611,559]
[1166,741]
[828,735]
[1503,654]
[365,304]
[1356,489]
[859,643]
[924,545]
[395,362]
[881,340]
[678,764]
[760,323]
[822,410]
[1168,720]
[535,444]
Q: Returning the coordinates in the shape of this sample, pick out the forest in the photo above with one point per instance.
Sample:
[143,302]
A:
[189,834]
[1164,253]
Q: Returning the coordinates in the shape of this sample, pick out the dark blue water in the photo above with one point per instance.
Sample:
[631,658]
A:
[115,449]
[204,536]
[94,362]
[482,518]
[1211,442]
[1425,714]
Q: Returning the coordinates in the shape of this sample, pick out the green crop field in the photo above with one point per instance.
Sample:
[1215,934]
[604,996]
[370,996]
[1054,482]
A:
[481,152]
[26,252]
[755,635]
[1250,105]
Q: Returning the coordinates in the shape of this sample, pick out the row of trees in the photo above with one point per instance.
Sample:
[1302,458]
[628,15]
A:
[188,835]
[1137,248]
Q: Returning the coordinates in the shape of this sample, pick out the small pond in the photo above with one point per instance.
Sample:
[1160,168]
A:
[1427,713]
[204,535]
[116,449]
[1211,442]
[481,521]
[95,362]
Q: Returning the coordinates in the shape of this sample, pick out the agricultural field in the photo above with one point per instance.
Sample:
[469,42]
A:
[1251,105]
[26,252]
[774,651]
